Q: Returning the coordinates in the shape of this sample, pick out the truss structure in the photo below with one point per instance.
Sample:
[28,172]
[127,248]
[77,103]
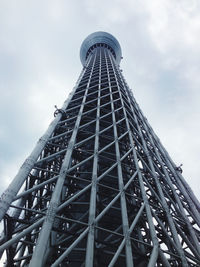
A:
[99,189]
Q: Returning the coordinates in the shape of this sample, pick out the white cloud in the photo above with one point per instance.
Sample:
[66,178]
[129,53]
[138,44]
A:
[39,53]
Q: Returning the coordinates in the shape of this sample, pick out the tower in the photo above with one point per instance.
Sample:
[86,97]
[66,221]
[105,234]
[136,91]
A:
[99,189]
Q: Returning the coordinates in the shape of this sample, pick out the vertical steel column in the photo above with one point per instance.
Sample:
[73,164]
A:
[154,254]
[190,229]
[129,256]
[174,232]
[92,210]
[41,246]
[164,204]
[191,198]
[9,194]
[195,206]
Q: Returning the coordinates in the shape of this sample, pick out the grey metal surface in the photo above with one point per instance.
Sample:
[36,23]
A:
[101,190]
[100,38]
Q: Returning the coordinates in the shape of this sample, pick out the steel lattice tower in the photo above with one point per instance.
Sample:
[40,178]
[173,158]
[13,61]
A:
[99,189]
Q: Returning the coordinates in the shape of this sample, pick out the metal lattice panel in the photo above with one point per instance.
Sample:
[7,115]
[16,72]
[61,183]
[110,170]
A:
[99,189]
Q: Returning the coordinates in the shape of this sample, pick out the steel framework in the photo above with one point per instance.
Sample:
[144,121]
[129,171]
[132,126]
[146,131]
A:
[99,189]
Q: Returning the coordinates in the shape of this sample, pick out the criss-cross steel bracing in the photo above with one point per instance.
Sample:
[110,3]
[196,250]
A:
[99,189]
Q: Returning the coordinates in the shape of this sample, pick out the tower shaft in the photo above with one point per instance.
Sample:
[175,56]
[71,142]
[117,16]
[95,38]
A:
[99,189]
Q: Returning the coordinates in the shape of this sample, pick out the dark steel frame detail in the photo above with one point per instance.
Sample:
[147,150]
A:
[99,189]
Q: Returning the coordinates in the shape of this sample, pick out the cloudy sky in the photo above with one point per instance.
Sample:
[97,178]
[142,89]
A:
[39,65]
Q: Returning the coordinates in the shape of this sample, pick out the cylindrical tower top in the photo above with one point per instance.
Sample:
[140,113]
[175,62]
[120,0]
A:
[100,38]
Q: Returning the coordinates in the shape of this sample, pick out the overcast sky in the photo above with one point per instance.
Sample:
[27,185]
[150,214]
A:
[39,65]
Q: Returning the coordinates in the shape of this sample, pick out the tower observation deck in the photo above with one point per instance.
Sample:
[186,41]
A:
[99,189]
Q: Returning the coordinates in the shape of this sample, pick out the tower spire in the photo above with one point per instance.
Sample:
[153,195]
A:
[99,188]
